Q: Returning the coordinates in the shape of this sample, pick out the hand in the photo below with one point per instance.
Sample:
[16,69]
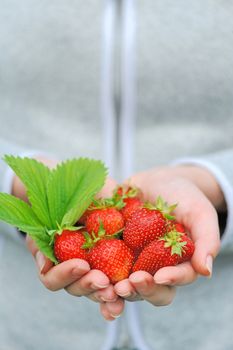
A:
[193,189]
[76,277]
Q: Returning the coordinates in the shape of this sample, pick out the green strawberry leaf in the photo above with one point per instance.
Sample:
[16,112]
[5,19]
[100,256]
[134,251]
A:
[16,212]
[71,189]
[45,247]
[58,197]
[35,176]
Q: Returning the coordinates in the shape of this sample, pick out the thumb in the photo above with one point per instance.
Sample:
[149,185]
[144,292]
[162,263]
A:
[42,262]
[205,233]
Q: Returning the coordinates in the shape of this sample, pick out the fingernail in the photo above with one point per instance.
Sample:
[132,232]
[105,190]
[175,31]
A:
[108,300]
[209,264]
[99,286]
[126,295]
[163,281]
[115,316]
[40,260]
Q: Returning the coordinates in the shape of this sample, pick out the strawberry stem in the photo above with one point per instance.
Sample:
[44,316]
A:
[173,239]
[163,207]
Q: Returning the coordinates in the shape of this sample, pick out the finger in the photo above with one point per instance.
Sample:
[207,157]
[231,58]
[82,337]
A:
[89,283]
[205,233]
[198,215]
[179,275]
[31,245]
[104,295]
[126,290]
[63,274]
[108,188]
[43,263]
[111,311]
[202,222]
[105,313]
[145,285]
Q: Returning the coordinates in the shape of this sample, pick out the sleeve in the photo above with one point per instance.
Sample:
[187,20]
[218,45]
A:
[221,166]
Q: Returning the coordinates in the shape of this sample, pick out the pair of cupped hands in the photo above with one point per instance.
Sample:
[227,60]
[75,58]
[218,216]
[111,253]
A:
[199,198]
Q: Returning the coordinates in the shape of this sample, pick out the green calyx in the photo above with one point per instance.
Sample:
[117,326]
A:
[173,239]
[132,192]
[163,207]
[92,239]
[103,203]
[126,192]
[59,230]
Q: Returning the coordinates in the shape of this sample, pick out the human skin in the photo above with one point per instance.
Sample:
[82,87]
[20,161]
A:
[199,197]
[185,185]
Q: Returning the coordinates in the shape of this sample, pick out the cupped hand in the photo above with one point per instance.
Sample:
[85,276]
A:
[76,277]
[196,212]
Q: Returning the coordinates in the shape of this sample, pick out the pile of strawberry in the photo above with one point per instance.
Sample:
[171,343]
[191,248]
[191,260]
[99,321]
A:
[123,234]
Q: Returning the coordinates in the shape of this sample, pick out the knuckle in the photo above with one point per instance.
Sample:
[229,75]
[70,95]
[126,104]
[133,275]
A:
[74,290]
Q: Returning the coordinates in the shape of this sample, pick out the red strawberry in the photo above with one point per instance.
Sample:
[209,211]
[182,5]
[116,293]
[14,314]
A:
[68,245]
[127,200]
[131,205]
[179,227]
[125,191]
[173,249]
[147,224]
[174,225]
[83,218]
[110,218]
[187,249]
[112,257]
[144,227]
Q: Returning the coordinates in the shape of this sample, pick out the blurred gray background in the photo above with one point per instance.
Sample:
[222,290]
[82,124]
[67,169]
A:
[50,72]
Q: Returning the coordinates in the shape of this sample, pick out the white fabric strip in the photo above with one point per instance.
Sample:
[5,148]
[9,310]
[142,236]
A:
[128,88]
[107,83]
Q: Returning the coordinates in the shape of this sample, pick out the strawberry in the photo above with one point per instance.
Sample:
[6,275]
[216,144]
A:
[83,218]
[187,248]
[174,248]
[127,200]
[179,227]
[147,224]
[68,245]
[144,227]
[112,257]
[174,225]
[110,218]
[132,204]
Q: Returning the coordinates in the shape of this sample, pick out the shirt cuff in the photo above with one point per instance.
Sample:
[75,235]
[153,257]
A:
[226,188]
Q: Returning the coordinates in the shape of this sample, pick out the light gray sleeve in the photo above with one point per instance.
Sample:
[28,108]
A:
[6,177]
[5,173]
[221,166]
